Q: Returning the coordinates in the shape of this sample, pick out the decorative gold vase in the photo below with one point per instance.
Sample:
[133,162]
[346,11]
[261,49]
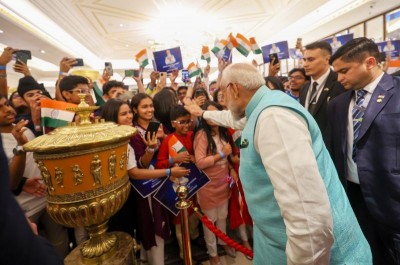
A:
[85,169]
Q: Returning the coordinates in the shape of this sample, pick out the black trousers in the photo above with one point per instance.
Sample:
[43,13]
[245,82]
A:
[385,244]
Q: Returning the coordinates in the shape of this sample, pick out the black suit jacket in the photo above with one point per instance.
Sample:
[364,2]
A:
[18,244]
[378,149]
[331,89]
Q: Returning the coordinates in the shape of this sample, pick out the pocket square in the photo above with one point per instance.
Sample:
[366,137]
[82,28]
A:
[326,89]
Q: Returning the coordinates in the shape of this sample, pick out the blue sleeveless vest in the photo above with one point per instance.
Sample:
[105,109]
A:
[350,245]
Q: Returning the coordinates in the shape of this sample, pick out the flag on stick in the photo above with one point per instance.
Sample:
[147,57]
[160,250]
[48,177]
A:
[219,46]
[254,46]
[193,70]
[244,45]
[54,114]
[205,54]
[142,58]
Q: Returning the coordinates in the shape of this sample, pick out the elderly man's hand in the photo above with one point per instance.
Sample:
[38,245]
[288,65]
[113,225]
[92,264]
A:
[192,107]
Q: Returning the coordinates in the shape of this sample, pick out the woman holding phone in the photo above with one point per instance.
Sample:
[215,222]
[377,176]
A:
[152,219]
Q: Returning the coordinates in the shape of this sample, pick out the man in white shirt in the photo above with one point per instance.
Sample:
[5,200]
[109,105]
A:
[31,196]
[300,211]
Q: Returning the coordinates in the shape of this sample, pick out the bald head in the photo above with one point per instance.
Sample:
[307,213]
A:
[244,74]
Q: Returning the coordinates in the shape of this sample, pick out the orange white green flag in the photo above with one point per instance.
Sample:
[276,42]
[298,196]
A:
[244,45]
[219,46]
[142,58]
[54,113]
[175,146]
[232,42]
[193,70]
[254,46]
[205,54]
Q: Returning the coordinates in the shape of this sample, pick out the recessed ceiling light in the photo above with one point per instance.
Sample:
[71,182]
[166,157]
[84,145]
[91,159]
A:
[126,45]
[42,51]
[121,25]
[1,31]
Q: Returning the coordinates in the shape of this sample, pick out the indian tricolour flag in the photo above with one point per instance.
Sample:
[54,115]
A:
[244,46]
[193,70]
[98,93]
[175,146]
[232,42]
[254,46]
[219,46]
[55,114]
[236,137]
[205,54]
[142,58]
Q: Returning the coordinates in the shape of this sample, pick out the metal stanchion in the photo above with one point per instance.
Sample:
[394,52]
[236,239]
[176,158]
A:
[182,193]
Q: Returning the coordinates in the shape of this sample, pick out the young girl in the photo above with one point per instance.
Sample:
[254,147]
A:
[211,151]
[120,112]
[152,219]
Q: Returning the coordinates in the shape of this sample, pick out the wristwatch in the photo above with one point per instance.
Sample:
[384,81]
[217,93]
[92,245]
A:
[18,150]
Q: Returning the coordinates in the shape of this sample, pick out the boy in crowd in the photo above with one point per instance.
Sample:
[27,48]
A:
[182,137]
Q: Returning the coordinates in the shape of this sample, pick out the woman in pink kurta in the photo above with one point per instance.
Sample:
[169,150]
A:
[211,149]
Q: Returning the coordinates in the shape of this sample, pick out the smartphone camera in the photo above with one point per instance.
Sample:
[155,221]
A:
[273,56]
[79,62]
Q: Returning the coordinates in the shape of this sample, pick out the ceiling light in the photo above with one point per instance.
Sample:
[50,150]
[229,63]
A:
[33,20]
[1,31]
[42,51]
[121,25]
[126,45]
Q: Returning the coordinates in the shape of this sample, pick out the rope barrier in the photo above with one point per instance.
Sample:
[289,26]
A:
[232,243]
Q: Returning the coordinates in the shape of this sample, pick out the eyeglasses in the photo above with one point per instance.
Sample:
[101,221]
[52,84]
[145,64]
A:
[295,78]
[183,122]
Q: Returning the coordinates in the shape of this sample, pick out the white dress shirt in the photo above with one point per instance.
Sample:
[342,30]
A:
[321,84]
[352,174]
[284,143]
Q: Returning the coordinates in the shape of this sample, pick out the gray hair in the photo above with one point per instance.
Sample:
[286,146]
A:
[245,74]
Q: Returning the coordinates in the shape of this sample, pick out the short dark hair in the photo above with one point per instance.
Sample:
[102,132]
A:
[276,83]
[177,112]
[323,45]
[356,50]
[301,70]
[70,82]
[181,87]
[110,84]
[111,109]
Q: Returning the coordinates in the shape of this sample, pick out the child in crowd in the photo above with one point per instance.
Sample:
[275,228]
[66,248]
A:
[211,145]
[181,141]
[119,111]
[152,219]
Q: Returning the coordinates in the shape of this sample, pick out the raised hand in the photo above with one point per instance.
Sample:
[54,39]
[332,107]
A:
[151,140]
[22,68]
[192,107]
[274,68]
[66,64]
[18,132]
[6,56]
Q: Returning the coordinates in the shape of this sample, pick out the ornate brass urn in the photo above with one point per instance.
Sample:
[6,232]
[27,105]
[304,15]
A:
[85,169]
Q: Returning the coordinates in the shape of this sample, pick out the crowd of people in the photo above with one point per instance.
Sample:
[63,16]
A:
[308,163]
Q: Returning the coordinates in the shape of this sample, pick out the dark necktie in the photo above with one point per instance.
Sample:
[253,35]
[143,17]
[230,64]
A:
[358,113]
[313,98]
